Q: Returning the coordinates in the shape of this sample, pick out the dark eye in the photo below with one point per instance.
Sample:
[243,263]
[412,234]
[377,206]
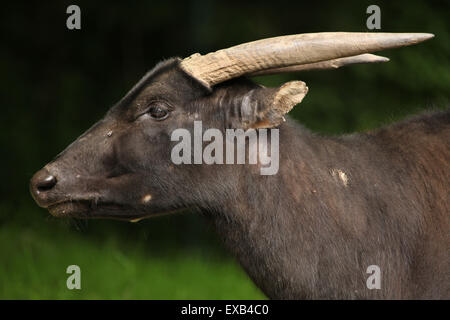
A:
[158,112]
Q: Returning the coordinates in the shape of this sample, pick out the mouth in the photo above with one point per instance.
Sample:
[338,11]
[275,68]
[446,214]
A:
[88,209]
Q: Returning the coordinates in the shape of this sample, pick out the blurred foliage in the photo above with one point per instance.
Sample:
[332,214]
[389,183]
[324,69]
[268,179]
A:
[56,83]
[34,265]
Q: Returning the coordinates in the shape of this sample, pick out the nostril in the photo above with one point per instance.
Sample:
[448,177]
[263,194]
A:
[46,183]
[41,185]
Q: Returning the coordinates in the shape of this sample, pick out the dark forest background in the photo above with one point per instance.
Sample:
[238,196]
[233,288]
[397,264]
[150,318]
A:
[55,83]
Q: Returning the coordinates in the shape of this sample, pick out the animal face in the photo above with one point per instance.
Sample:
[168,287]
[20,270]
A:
[122,167]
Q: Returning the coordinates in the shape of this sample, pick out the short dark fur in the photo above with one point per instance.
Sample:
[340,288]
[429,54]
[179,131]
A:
[302,233]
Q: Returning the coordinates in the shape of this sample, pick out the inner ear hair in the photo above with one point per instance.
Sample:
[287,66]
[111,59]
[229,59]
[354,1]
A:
[274,103]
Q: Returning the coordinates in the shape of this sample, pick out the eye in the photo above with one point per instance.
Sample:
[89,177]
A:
[158,112]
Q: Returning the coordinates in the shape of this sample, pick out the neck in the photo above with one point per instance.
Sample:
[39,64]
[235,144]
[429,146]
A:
[294,232]
[261,220]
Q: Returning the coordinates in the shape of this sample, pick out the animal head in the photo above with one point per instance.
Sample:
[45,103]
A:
[122,167]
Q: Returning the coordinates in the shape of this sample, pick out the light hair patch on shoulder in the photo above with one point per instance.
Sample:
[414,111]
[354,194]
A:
[341,175]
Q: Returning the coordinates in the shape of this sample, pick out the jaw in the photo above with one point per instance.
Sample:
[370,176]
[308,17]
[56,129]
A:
[88,209]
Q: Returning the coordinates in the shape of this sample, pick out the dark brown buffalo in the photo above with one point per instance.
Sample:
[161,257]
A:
[336,206]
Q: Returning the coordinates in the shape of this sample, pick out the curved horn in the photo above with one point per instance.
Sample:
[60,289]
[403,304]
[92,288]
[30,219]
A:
[285,51]
[324,65]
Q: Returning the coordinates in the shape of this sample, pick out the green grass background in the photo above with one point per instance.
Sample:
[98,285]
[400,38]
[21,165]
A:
[35,257]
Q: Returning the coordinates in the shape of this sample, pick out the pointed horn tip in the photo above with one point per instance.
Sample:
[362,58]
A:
[380,59]
[368,58]
[420,37]
[428,35]
[402,39]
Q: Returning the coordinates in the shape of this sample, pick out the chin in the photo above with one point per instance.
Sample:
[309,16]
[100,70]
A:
[70,209]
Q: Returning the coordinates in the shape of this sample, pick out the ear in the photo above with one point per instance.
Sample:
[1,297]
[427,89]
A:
[266,107]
